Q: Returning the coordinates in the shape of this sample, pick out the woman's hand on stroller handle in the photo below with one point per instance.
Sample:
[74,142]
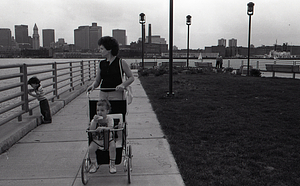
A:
[90,89]
[120,87]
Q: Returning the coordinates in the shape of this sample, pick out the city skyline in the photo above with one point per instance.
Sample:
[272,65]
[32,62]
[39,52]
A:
[211,20]
[232,42]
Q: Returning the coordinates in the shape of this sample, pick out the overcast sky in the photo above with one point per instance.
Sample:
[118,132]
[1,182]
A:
[211,19]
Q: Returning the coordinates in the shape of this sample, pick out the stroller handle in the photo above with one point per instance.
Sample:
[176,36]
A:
[111,130]
[110,89]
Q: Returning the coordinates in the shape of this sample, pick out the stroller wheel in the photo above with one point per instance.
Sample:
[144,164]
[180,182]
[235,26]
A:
[129,164]
[85,166]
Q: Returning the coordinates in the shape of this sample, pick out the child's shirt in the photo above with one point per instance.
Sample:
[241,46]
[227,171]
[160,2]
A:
[108,122]
[40,95]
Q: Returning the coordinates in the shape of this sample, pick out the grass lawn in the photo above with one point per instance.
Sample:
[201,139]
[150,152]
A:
[230,130]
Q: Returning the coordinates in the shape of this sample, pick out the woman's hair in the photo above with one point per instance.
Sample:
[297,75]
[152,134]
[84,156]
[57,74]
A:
[109,43]
[33,80]
[104,103]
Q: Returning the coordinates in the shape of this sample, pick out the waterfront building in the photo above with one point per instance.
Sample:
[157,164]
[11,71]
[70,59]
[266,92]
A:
[35,38]
[220,49]
[222,42]
[95,33]
[156,39]
[86,37]
[232,42]
[21,33]
[120,36]
[48,37]
[5,37]
[81,38]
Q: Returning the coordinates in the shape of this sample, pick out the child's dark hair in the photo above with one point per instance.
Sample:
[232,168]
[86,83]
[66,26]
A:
[33,80]
[105,103]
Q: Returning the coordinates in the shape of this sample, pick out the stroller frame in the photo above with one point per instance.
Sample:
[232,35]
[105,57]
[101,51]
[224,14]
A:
[120,133]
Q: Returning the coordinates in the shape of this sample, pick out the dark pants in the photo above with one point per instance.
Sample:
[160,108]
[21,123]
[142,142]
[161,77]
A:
[45,111]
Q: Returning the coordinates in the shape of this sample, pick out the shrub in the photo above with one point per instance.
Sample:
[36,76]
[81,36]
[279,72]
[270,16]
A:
[143,72]
[160,71]
[255,73]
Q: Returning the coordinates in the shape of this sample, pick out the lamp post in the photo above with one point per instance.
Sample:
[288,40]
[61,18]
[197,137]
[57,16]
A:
[250,13]
[188,23]
[142,22]
[171,93]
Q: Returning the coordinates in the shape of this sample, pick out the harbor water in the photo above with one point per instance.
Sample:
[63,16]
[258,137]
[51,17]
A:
[233,63]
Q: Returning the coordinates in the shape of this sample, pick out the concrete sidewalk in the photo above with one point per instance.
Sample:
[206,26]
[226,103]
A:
[52,154]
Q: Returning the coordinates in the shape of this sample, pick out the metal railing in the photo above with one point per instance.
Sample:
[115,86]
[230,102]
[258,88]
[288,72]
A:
[56,79]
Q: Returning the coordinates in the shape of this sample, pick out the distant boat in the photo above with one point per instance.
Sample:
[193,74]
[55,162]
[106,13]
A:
[200,57]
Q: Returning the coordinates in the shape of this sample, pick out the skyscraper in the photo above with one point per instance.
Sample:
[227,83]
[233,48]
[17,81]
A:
[95,35]
[222,42]
[21,33]
[5,37]
[48,37]
[86,37]
[35,38]
[232,42]
[120,36]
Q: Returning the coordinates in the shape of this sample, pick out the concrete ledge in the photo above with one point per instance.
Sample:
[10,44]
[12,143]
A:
[13,131]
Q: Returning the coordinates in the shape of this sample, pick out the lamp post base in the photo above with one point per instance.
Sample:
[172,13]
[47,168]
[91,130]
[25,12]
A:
[170,94]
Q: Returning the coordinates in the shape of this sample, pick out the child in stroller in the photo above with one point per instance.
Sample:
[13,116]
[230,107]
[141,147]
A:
[101,122]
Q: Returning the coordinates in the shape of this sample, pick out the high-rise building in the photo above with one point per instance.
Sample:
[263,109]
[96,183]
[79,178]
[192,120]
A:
[21,33]
[232,42]
[222,42]
[81,37]
[86,37]
[5,37]
[48,37]
[120,36]
[95,35]
[35,38]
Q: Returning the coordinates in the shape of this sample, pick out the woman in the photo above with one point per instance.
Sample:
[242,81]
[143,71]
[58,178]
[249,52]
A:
[109,73]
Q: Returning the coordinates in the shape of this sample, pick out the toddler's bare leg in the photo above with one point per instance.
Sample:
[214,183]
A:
[112,150]
[92,151]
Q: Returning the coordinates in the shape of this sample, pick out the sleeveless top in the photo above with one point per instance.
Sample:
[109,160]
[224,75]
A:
[110,74]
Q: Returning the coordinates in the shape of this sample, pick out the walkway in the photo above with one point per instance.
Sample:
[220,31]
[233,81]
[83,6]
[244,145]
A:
[51,154]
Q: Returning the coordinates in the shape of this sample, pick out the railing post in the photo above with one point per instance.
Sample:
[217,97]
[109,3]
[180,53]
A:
[71,77]
[82,75]
[90,69]
[54,73]
[257,64]
[228,63]
[24,89]
[95,68]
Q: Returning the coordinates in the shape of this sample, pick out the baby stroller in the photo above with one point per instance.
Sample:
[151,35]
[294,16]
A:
[123,149]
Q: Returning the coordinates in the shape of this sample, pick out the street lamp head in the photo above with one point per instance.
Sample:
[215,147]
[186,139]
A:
[250,8]
[188,20]
[142,18]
